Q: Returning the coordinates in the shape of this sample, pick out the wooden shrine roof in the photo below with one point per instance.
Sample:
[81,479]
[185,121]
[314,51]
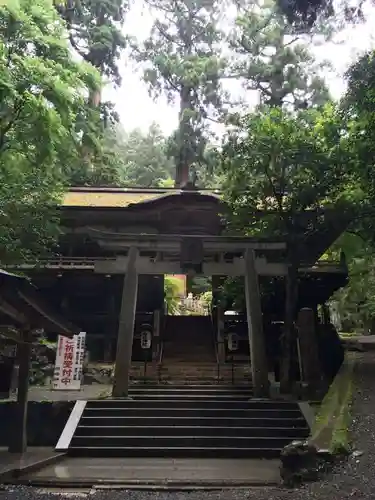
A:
[318,230]
[121,197]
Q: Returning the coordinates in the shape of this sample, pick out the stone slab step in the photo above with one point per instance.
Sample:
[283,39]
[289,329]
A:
[192,387]
[201,430]
[142,441]
[175,452]
[167,420]
[191,412]
[192,404]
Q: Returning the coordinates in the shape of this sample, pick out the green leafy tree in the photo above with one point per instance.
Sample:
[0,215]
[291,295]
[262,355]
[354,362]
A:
[95,34]
[358,108]
[182,61]
[356,301]
[277,166]
[304,15]
[41,89]
[171,295]
[144,157]
[273,61]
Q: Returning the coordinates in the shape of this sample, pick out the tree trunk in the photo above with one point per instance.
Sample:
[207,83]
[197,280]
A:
[183,156]
[291,295]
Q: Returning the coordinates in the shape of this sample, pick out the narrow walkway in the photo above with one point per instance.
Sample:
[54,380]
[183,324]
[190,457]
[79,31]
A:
[162,471]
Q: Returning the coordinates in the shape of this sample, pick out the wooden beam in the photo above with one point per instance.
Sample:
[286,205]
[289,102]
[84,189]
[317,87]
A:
[12,312]
[165,242]
[145,265]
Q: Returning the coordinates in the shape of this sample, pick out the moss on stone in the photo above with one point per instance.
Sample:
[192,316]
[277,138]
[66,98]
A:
[331,428]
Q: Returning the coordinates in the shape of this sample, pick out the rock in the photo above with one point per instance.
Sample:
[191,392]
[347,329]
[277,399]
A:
[299,463]
[357,453]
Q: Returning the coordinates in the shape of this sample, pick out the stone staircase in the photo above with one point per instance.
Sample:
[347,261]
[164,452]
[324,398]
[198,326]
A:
[187,421]
[189,338]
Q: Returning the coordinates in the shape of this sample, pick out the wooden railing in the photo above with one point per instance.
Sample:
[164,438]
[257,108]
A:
[89,263]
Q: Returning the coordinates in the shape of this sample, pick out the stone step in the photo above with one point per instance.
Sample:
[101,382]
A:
[177,396]
[184,390]
[209,404]
[178,421]
[168,441]
[192,430]
[175,452]
[190,412]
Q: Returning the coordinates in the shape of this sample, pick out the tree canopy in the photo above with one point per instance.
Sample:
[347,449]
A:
[42,95]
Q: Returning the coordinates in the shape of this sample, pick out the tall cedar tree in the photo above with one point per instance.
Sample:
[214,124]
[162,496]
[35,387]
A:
[274,61]
[182,61]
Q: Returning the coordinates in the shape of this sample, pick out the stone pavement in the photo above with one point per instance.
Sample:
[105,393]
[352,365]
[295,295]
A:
[159,471]
[360,342]
[11,462]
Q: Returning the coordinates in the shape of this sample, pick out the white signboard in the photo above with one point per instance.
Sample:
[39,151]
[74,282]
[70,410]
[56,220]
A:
[69,363]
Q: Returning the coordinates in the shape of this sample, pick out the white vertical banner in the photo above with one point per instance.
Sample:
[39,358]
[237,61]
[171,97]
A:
[69,363]
[79,358]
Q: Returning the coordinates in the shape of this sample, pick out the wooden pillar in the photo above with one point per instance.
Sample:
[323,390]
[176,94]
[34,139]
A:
[19,436]
[126,327]
[259,365]
[308,346]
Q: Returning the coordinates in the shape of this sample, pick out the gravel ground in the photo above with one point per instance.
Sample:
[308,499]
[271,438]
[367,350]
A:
[355,479]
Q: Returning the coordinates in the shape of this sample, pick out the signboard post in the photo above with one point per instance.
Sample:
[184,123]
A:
[69,363]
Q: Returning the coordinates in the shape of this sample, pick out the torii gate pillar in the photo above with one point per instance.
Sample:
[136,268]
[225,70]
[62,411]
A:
[259,365]
[126,327]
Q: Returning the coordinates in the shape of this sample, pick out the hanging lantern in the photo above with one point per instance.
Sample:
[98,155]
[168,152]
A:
[146,338]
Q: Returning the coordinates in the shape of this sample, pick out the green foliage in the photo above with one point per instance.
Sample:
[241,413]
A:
[41,89]
[144,159]
[359,110]
[199,284]
[95,32]
[273,60]
[281,164]
[356,303]
[171,294]
[206,299]
[182,62]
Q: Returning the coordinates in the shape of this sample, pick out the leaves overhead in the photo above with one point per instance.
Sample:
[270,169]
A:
[41,95]
[283,164]
[273,60]
[95,32]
